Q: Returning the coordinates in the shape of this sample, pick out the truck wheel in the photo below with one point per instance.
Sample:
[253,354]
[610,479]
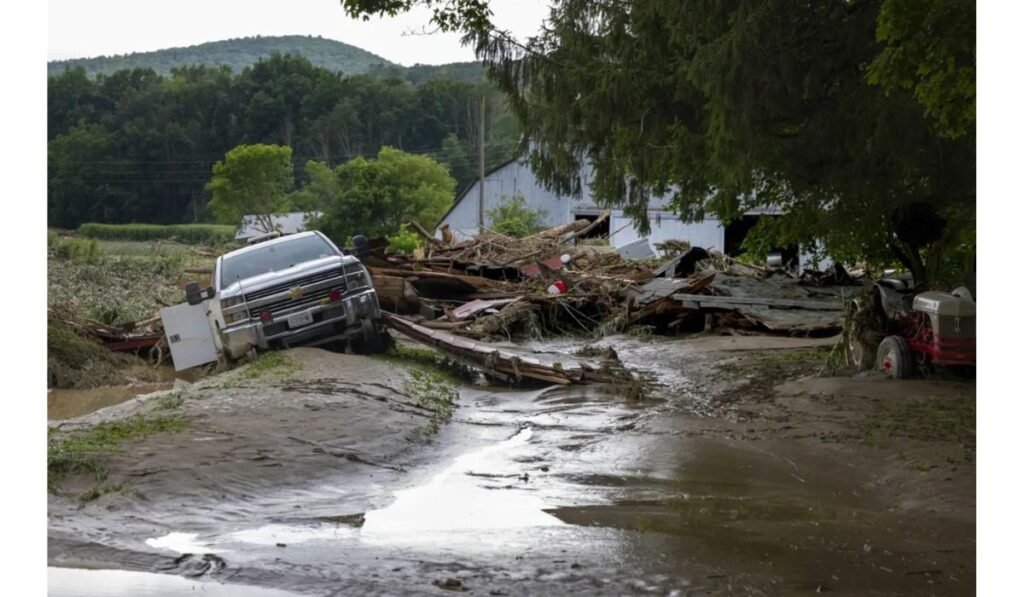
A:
[374,339]
[894,358]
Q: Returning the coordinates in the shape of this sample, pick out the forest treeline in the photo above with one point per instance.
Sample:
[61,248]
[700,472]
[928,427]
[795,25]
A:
[138,146]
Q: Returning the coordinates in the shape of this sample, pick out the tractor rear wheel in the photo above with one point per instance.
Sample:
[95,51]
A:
[894,358]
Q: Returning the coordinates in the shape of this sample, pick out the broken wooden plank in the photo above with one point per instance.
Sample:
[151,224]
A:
[508,363]
[741,302]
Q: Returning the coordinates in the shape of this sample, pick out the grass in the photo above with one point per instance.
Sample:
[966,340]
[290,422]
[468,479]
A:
[73,361]
[195,234]
[435,392]
[270,364]
[926,420]
[453,371]
[82,451]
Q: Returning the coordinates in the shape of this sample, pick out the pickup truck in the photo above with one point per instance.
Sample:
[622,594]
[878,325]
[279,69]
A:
[292,290]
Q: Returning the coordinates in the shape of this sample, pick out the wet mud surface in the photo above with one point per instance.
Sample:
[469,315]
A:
[739,474]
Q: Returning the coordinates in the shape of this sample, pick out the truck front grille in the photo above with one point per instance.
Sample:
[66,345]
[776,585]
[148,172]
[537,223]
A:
[307,281]
[309,299]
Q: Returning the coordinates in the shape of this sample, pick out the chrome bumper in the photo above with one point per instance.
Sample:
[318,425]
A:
[332,320]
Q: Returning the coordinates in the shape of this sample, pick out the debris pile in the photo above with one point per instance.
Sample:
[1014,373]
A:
[549,283]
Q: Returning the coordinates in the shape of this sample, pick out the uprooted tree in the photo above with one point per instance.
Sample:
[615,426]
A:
[815,108]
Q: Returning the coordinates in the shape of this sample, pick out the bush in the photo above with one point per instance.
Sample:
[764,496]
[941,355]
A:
[513,218]
[86,250]
[193,234]
[404,242]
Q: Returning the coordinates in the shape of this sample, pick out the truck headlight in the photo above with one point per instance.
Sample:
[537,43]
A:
[231,301]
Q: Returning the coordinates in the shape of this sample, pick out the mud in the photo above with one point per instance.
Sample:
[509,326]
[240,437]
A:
[741,473]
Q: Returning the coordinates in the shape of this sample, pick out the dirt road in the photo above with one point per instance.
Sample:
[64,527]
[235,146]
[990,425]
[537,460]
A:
[739,474]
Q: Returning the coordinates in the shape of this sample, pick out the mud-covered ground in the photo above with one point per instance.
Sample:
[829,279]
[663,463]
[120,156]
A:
[743,472]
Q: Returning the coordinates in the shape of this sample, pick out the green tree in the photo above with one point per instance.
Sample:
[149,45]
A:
[455,157]
[374,197]
[512,218]
[929,49]
[732,105]
[252,179]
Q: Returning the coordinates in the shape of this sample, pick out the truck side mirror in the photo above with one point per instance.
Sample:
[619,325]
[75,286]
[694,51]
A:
[360,246]
[193,295]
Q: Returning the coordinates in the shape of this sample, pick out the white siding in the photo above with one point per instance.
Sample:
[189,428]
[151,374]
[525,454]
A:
[665,225]
[504,183]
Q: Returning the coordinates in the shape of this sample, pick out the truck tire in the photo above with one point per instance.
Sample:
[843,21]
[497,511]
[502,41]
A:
[894,358]
[374,340]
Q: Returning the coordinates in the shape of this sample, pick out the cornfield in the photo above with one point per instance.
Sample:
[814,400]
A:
[192,234]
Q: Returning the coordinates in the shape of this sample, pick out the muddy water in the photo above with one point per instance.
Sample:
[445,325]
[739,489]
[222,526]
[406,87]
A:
[67,404]
[551,491]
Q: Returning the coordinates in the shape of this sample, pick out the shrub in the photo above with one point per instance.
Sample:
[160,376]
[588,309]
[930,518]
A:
[513,218]
[404,241]
[193,234]
[86,250]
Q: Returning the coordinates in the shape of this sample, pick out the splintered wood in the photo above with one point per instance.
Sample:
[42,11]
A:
[512,364]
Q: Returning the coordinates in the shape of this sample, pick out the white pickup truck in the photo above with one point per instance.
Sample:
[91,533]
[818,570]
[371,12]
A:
[299,289]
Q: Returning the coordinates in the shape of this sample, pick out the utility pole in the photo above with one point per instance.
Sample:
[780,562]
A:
[480,221]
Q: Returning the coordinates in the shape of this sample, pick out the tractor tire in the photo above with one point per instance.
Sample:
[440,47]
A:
[894,358]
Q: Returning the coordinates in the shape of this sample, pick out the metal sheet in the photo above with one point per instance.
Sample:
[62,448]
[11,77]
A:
[189,335]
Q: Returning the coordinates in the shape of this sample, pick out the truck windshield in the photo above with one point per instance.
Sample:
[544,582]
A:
[273,258]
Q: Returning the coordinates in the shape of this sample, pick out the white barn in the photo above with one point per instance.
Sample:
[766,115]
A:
[516,178]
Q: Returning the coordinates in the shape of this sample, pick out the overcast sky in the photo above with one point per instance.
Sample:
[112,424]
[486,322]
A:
[78,29]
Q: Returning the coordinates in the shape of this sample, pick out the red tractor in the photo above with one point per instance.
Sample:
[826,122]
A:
[918,330]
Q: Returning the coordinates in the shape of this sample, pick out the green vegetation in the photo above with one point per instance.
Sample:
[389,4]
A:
[234,53]
[86,250]
[193,234]
[513,218]
[926,420]
[270,364]
[374,197]
[82,451]
[252,179]
[432,391]
[73,361]
[138,146]
[855,119]
[117,290]
[404,242]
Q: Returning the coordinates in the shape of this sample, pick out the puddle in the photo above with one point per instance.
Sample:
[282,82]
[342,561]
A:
[76,582]
[458,498]
[180,543]
[67,404]
[274,534]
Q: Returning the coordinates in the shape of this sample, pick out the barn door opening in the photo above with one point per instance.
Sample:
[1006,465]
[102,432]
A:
[737,230]
[602,230]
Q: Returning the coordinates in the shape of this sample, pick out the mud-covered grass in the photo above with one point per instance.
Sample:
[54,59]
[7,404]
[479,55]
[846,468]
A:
[74,361]
[452,371]
[272,364]
[924,420]
[435,393]
[759,373]
[82,452]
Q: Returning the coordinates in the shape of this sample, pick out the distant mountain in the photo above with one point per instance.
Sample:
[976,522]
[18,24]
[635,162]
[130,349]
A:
[468,72]
[236,53]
